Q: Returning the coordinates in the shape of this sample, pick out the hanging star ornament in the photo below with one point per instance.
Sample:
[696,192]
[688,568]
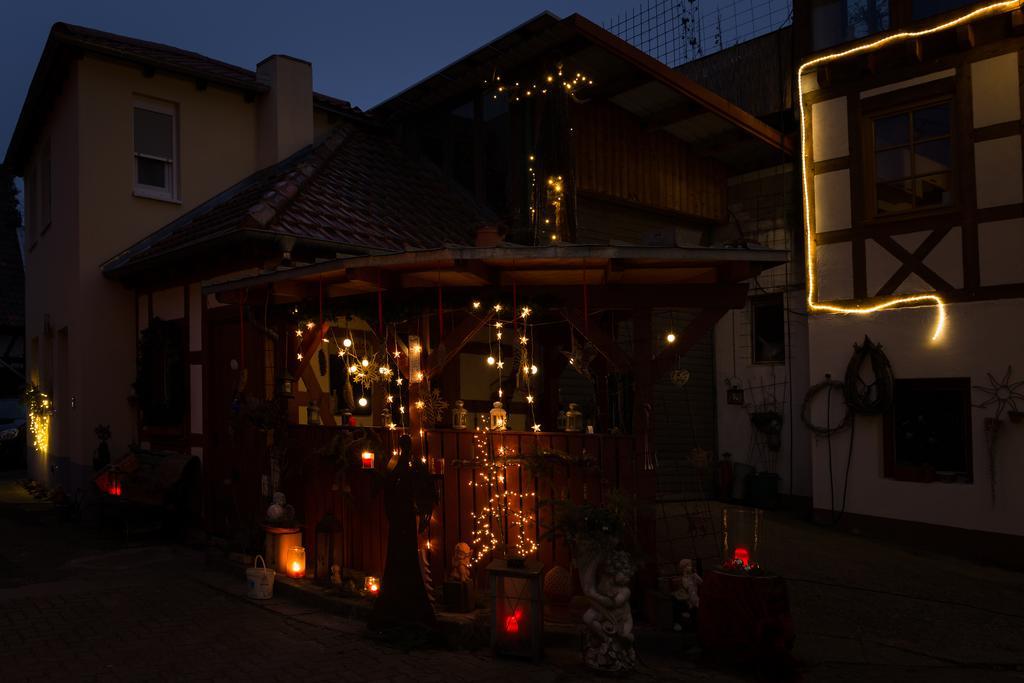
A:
[1001,393]
[581,356]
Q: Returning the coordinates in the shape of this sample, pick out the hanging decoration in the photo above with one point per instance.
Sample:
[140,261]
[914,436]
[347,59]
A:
[1002,394]
[40,409]
[504,520]
[552,81]
[431,405]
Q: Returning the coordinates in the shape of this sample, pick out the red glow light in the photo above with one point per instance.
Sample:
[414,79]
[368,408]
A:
[512,622]
[741,555]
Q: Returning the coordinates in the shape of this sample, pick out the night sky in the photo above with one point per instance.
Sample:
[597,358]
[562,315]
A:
[361,51]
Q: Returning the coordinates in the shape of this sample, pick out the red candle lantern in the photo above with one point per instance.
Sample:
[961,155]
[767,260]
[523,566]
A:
[297,562]
[367,458]
[517,609]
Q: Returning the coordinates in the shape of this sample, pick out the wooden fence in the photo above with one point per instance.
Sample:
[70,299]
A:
[575,467]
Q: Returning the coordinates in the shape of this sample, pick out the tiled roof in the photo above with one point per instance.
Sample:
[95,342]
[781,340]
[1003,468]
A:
[355,190]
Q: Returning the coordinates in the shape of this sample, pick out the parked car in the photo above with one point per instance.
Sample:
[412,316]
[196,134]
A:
[13,433]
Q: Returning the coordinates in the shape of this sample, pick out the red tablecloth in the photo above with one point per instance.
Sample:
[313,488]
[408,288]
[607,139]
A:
[745,617]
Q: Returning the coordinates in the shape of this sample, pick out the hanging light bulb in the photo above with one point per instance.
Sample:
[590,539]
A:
[670,337]
[353,369]
[363,402]
[533,369]
[490,360]
[365,362]
[347,343]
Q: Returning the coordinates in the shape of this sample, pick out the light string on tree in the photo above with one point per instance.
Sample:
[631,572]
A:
[498,522]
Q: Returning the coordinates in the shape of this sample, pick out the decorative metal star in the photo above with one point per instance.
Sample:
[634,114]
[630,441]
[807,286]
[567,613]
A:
[1001,393]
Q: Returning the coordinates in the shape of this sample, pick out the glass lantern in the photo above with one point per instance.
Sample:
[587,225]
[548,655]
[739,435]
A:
[286,385]
[328,546]
[573,419]
[297,562]
[499,418]
[517,609]
[460,416]
[742,538]
[313,413]
[366,459]
[371,585]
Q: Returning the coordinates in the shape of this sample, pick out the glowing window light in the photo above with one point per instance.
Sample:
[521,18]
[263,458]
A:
[893,302]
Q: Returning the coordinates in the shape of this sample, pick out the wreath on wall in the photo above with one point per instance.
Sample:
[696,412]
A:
[160,375]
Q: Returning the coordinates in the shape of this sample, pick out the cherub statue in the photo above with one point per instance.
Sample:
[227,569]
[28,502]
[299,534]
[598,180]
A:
[608,636]
[686,594]
[460,563]
[335,575]
[280,513]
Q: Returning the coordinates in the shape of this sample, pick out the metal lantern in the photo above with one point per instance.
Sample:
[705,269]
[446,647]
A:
[460,416]
[573,419]
[285,384]
[517,609]
[313,413]
[328,546]
[734,395]
[499,418]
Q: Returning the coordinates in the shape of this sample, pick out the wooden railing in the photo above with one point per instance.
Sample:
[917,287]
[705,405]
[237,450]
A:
[576,467]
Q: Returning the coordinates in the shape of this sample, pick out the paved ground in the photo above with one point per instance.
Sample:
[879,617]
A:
[76,608]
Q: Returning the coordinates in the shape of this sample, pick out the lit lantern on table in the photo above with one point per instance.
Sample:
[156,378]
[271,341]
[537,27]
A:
[517,609]
[499,417]
[297,562]
[371,585]
[742,535]
[366,459]
[328,546]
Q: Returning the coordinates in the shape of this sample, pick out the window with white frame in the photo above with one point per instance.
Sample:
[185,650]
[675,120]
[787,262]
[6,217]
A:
[154,130]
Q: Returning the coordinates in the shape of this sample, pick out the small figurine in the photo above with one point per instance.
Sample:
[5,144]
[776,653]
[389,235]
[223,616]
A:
[460,563]
[280,513]
[335,575]
[686,596]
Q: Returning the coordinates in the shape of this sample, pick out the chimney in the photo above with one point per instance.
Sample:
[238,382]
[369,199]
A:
[286,111]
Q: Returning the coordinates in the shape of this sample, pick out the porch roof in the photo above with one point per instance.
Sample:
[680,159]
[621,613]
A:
[545,268]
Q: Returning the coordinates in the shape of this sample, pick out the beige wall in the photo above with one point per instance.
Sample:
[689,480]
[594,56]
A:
[980,338]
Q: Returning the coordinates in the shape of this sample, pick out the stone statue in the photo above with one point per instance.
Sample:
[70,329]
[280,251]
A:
[608,634]
[686,596]
[280,513]
[460,563]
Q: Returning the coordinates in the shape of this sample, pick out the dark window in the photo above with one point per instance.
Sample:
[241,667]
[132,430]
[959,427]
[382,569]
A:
[768,329]
[928,431]
[922,9]
[838,21]
[154,132]
[912,166]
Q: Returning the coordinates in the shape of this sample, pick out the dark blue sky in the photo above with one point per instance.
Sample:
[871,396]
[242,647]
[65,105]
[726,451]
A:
[361,51]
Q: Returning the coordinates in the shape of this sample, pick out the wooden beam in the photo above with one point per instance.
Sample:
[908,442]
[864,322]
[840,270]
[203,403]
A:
[310,343]
[694,332]
[452,343]
[482,272]
[604,343]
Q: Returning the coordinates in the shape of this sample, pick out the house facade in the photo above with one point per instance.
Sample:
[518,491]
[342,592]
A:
[914,203]
[116,138]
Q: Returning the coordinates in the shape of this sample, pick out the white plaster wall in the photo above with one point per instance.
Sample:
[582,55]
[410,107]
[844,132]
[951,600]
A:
[829,133]
[1001,251]
[732,341]
[997,172]
[832,201]
[995,95]
[980,338]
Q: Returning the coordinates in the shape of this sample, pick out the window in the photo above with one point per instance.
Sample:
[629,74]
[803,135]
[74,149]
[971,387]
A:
[155,140]
[912,153]
[928,431]
[838,21]
[922,9]
[768,329]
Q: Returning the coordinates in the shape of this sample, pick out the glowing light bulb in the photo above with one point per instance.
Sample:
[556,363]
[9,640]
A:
[533,369]
[347,343]
[363,402]
[670,338]
[476,304]
[490,360]
[365,362]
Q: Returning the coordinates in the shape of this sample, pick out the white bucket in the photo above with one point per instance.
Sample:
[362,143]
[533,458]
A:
[260,580]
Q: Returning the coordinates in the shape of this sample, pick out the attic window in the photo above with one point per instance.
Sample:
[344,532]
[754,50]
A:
[155,143]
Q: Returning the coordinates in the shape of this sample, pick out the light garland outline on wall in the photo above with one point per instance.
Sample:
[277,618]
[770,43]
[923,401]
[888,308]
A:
[893,302]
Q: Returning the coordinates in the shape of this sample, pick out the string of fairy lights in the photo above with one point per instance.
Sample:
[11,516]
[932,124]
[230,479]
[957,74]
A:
[500,521]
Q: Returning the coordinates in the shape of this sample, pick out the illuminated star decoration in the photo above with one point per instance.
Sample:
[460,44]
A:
[1001,393]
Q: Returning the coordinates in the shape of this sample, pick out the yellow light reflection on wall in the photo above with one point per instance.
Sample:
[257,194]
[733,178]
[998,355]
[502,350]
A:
[894,302]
